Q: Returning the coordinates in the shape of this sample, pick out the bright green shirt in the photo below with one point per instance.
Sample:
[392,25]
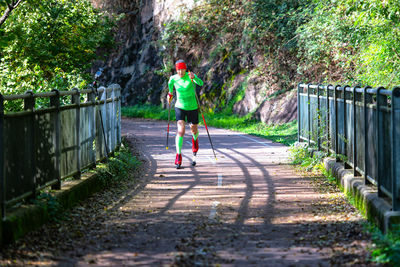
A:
[185,91]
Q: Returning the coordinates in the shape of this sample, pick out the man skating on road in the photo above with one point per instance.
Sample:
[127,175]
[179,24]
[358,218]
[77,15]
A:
[186,108]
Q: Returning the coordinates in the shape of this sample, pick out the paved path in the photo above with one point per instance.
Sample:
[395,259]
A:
[247,208]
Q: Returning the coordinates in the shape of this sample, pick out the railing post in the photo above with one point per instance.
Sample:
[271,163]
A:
[380,102]
[29,104]
[335,95]
[367,99]
[107,121]
[76,99]
[345,138]
[328,136]
[355,172]
[309,114]
[395,147]
[104,118]
[2,178]
[298,112]
[55,102]
[318,117]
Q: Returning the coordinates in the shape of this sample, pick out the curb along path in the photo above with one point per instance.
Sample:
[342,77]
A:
[248,208]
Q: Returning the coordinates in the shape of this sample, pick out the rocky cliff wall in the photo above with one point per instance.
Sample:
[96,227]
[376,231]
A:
[137,62]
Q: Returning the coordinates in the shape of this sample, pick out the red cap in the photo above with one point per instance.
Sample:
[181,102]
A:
[180,65]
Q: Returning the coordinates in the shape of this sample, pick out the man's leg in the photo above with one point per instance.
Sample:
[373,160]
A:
[179,141]
[195,133]
[195,142]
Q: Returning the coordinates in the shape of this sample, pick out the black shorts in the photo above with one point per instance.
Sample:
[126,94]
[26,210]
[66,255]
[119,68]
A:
[191,116]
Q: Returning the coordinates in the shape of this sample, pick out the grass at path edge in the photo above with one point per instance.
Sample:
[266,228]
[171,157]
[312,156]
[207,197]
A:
[282,133]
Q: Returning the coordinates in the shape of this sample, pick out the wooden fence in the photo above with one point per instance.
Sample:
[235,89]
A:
[58,135]
[361,124]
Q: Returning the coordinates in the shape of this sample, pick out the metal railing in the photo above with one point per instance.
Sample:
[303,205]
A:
[39,147]
[361,126]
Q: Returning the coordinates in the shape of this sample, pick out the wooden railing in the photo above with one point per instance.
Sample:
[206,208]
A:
[39,147]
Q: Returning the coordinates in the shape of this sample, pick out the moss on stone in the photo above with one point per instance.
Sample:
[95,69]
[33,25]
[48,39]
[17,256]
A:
[22,221]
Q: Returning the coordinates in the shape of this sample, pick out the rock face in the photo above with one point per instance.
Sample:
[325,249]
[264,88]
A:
[134,66]
[137,62]
[264,105]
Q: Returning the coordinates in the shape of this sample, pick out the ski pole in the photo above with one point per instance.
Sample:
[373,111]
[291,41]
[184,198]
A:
[204,120]
[169,112]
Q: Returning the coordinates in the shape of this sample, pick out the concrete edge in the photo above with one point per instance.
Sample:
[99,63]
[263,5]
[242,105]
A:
[30,217]
[366,199]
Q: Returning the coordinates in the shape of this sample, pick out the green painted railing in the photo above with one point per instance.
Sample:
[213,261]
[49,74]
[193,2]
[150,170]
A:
[360,126]
[40,147]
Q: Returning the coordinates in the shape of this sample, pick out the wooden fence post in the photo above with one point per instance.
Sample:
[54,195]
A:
[76,99]
[29,104]
[92,100]
[119,115]
[104,118]
[112,121]
[55,102]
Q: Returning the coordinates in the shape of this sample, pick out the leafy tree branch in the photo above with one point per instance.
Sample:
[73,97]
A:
[10,7]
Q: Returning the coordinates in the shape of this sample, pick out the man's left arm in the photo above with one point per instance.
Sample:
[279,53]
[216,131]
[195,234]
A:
[197,80]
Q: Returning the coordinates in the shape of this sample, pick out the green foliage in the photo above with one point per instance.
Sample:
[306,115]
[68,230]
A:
[236,29]
[301,154]
[329,176]
[50,44]
[298,153]
[272,24]
[50,203]
[359,38]
[118,167]
[337,41]
[387,250]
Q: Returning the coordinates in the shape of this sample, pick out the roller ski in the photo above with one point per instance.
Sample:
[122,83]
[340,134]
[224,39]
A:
[195,148]
[194,159]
